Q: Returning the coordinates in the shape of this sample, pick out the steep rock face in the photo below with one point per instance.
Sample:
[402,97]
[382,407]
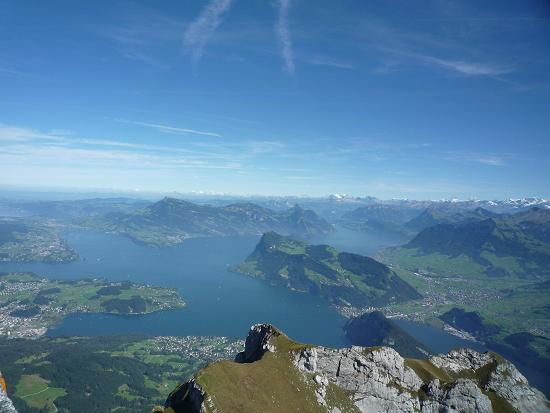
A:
[378,379]
[462,359]
[6,405]
[274,373]
[462,396]
[257,343]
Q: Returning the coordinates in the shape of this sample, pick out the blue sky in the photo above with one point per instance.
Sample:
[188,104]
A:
[415,99]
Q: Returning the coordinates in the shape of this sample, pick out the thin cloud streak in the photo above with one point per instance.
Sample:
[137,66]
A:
[202,29]
[484,159]
[330,62]
[467,68]
[18,134]
[283,34]
[50,156]
[168,129]
[490,160]
[25,144]
[458,66]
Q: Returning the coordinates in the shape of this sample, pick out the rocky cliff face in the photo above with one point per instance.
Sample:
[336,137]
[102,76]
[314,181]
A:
[275,374]
[6,406]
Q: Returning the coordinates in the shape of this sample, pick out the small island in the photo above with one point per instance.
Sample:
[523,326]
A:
[30,304]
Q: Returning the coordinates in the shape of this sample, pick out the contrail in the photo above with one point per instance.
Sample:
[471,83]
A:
[200,31]
[284,35]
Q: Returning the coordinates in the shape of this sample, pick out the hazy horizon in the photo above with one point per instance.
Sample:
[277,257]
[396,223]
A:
[60,193]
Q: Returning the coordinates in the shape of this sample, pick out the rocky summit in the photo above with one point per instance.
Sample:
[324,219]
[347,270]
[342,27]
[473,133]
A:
[276,374]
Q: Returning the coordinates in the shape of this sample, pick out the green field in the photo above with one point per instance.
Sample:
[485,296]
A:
[36,392]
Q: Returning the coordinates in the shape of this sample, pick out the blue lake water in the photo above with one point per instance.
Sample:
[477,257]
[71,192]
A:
[218,302]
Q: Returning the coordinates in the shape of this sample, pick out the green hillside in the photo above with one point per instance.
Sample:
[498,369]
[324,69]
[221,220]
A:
[515,245]
[342,278]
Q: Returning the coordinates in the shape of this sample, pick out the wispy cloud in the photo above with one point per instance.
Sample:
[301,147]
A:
[331,62]
[23,145]
[10,72]
[81,157]
[201,30]
[482,158]
[18,134]
[489,160]
[283,33]
[169,129]
[466,68]
[463,67]
[141,34]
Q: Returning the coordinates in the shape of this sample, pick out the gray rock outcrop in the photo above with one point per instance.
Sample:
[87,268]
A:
[6,405]
[382,381]
[379,380]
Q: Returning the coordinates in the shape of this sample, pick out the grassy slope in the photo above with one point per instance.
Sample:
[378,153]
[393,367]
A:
[514,245]
[340,277]
[36,392]
[271,384]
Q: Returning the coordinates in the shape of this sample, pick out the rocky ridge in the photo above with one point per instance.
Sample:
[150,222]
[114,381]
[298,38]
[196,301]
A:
[6,405]
[357,379]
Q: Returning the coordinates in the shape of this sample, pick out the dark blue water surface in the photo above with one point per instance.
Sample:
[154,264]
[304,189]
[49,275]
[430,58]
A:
[219,302]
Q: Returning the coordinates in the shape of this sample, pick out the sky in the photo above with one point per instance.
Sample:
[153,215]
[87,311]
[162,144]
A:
[396,99]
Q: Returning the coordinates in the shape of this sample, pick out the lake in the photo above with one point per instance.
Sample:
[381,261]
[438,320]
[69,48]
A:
[219,303]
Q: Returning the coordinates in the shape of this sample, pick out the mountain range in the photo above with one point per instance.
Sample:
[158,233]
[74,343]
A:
[447,215]
[340,277]
[170,221]
[505,245]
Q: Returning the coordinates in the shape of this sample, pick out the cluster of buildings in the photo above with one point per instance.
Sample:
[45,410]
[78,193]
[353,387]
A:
[199,347]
